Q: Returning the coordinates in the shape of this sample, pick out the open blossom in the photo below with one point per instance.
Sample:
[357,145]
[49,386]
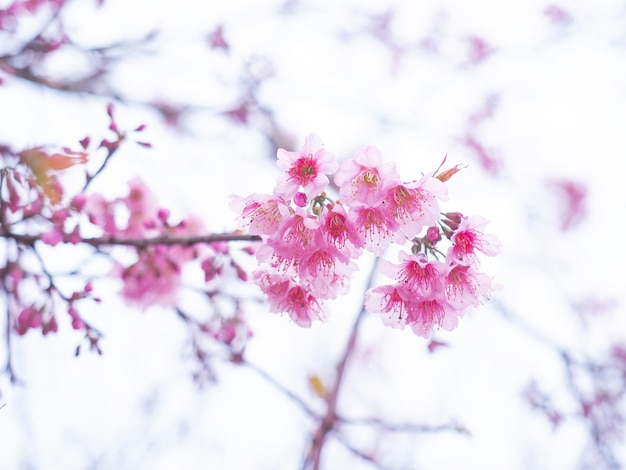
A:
[426,314]
[321,261]
[295,237]
[469,239]
[305,170]
[261,214]
[296,300]
[414,205]
[362,178]
[466,287]
[399,307]
[329,287]
[339,231]
[391,301]
[428,294]
[153,279]
[418,275]
[374,226]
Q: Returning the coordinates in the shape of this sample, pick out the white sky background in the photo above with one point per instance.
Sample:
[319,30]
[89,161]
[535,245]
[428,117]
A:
[561,113]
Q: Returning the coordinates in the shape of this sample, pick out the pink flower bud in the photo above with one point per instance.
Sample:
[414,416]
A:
[163,214]
[300,199]
[433,234]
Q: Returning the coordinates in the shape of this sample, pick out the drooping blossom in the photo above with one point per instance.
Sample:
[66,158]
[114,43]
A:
[339,231]
[390,301]
[284,295]
[321,261]
[295,237]
[429,294]
[417,274]
[426,314]
[374,226]
[399,307]
[466,287]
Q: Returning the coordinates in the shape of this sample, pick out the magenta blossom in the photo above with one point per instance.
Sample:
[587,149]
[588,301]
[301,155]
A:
[469,239]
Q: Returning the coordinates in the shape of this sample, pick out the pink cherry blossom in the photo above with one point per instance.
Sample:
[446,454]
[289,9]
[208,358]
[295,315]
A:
[339,231]
[470,238]
[321,262]
[330,287]
[101,213]
[426,314]
[413,206]
[417,274]
[374,226]
[305,170]
[390,301]
[361,179]
[466,287]
[417,299]
[295,236]
[284,295]
[261,214]
[142,206]
[152,280]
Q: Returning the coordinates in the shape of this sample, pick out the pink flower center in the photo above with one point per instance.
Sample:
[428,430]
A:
[418,276]
[427,312]
[304,171]
[336,227]
[465,242]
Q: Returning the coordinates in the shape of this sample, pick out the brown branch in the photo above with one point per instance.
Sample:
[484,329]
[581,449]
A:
[139,242]
[330,418]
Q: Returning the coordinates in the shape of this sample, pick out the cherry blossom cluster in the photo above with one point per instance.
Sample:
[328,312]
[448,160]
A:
[310,241]
[147,249]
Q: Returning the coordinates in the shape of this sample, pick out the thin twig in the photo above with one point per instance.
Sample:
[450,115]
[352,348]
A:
[327,423]
[410,428]
[8,368]
[360,454]
[290,394]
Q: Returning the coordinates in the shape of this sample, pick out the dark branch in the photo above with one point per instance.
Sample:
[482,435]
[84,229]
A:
[140,242]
